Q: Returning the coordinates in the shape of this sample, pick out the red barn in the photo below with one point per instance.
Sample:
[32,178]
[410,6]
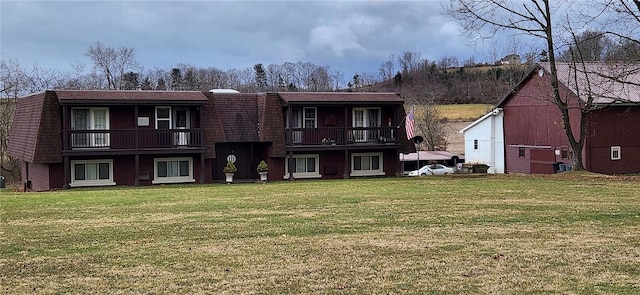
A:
[534,136]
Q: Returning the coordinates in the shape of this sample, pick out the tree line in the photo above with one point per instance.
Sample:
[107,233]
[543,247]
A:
[560,25]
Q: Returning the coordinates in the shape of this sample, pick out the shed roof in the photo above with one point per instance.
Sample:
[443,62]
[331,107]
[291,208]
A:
[607,83]
[494,112]
[429,156]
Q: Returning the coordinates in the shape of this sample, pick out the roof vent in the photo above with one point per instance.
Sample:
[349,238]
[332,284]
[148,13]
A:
[224,91]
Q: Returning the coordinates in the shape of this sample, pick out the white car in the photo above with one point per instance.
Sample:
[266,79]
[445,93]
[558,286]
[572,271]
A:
[433,169]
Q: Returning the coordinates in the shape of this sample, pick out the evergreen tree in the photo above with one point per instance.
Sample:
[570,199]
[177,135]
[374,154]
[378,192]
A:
[397,79]
[176,79]
[130,81]
[146,84]
[162,85]
[190,81]
[261,77]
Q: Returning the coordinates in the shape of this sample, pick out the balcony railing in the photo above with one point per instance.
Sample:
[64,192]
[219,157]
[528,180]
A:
[133,139]
[341,136]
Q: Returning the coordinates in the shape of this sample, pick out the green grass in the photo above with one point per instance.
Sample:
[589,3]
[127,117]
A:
[575,234]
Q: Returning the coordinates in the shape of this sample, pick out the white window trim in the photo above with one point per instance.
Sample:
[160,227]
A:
[363,135]
[96,182]
[618,150]
[91,117]
[94,137]
[315,117]
[379,172]
[179,179]
[170,119]
[366,117]
[303,174]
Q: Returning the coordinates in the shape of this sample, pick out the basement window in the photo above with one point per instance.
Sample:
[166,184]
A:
[366,164]
[173,170]
[91,173]
[615,153]
[305,166]
[564,153]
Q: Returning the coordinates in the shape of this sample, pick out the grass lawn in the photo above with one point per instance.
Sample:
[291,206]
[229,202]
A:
[463,112]
[569,234]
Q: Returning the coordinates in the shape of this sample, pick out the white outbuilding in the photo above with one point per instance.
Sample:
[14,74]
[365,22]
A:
[484,141]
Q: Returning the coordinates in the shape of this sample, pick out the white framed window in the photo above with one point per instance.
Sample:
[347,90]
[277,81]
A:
[163,118]
[92,173]
[306,166]
[367,118]
[366,164]
[173,170]
[90,119]
[306,117]
[615,153]
[310,118]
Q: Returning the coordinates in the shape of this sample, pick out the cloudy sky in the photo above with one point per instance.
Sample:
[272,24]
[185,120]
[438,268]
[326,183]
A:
[348,36]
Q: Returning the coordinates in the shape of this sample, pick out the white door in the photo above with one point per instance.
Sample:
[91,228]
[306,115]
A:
[181,121]
[367,118]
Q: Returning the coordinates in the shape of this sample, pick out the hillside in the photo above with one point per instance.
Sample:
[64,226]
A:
[484,84]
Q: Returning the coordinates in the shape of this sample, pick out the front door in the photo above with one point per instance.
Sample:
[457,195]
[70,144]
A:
[246,161]
[181,121]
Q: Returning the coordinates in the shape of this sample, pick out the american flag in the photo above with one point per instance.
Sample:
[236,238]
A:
[408,124]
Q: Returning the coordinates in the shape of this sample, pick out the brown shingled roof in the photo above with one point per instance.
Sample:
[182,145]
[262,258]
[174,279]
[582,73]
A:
[272,124]
[36,129]
[340,97]
[113,97]
[238,113]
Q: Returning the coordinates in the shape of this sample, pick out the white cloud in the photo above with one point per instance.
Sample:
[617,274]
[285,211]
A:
[336,39]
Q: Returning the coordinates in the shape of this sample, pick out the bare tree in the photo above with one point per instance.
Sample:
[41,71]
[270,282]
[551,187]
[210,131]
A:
[12,79]
[387,69]
[625,14]
[16,81]
[593,45]
[432,126]
[533,18]
[112,63]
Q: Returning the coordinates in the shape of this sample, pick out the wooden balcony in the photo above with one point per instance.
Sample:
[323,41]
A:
[342,136]
[132,139]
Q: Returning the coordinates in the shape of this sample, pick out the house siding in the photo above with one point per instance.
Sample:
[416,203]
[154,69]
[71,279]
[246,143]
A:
[516,164]
[488,132]
[37,174]
[614,126]
[250,125]
[542,161]
[531,120]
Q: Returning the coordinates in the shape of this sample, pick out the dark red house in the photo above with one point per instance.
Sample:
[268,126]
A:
[534,136]
[72,138]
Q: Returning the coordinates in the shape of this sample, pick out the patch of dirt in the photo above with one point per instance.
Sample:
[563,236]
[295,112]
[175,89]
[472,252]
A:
[455,139]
